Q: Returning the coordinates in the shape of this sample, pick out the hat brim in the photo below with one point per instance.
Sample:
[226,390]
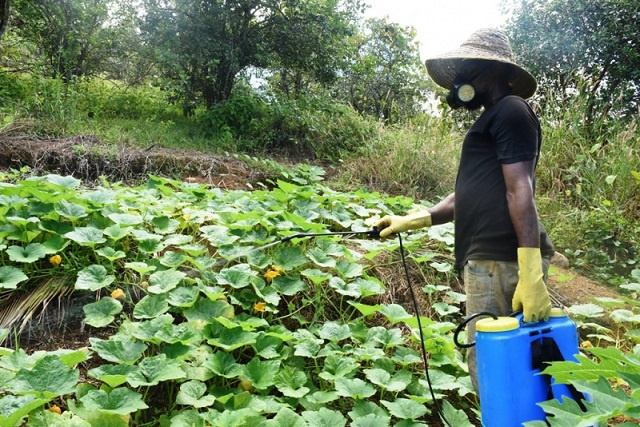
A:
[444,69]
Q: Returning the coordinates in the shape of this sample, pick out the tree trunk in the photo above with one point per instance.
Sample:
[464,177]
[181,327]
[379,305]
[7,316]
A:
[4,16]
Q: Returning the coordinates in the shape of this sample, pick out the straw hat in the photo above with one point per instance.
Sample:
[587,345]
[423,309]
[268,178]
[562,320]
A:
[487,44]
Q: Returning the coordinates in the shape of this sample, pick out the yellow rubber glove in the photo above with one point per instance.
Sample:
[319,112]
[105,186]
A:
[391,224]
[531,293]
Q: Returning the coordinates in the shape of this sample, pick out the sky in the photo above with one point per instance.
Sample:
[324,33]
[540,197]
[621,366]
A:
[441,25]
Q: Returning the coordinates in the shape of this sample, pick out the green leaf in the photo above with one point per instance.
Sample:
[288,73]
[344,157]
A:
[68,182]
[237,276]
[183,297]
[394,313]
[229,339]
[405,408]
[112,375]
[372,420]
[117,232]
[93,278]
[173,259]
[354,388]
[324,418]
[218,235]
[261,373]
[147,330]
[316,276]
[163,281]
[344,288]
[289,285]
[456,417]
[101,313]
[291,382]
[151,306]
[14,408]
[383,379]
[120,401]
[192,393]
[222,364]
[140,267]
[118,349]
[362,408]
[45,418]
[333,331]
[155,369]
[31,253]
[320,258]
[48,378]
[73,211]
[124,219]
[349,270]
[109,253]
[286,418]
[11,276]
[366,310]
[338,366]
[587,310]
[86,236]
[620,316]
[289,258]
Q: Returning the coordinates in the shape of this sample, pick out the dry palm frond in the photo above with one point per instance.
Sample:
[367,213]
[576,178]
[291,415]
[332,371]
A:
[18,308]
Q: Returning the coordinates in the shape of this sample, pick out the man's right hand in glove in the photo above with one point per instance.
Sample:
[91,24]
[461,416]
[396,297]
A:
[392,224]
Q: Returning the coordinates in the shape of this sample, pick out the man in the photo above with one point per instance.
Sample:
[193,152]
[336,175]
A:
[500,245]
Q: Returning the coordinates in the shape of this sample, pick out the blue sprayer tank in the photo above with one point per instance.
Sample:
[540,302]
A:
[509,385]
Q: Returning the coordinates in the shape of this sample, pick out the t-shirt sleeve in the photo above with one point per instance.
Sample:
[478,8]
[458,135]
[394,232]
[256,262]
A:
[516,131]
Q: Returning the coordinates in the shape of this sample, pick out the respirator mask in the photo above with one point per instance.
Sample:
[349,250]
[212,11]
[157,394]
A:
[462,94]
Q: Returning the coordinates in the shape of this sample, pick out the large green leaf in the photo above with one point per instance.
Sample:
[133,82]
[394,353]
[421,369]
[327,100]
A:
[337,366]
[289,285]
[86,236]
[291,382]
[223,364]
[396,383]
[163,281]
[72,211]
[28,254]
[405,408]
[324,418]
[112,375]
[14,408]
[237,276]
[286,418]
[102,312]
[354,388]
[151,306]
[10,277]
[155,369]
[192,393]
[334,331]
[48,378]
[261,373]
[289,258]
[118,349]
[121,401]
[93,278]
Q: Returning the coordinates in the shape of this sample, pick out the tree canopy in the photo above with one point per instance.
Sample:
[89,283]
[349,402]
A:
[589,46]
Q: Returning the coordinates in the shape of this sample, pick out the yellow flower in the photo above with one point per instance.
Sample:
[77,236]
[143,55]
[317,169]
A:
[55,409]
[55,260]
[118,294]
[144,285]
[186,217]
[259,307]
[273,273]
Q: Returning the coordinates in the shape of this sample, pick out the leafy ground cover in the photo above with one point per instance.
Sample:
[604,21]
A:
[196,322]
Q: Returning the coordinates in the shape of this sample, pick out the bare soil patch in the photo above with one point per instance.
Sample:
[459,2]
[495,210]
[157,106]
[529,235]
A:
[87,158]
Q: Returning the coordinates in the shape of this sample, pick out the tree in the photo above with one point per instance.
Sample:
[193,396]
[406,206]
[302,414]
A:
[386,78]
[203,45]
[74,36]
[4,15]
[592,46]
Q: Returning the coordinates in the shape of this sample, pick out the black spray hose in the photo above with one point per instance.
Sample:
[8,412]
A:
[464,323]
[422,344]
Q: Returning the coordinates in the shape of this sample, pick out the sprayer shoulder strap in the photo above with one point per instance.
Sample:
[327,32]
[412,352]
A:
[545,351]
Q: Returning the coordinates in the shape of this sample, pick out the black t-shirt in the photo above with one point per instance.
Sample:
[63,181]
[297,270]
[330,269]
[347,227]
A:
[507,132]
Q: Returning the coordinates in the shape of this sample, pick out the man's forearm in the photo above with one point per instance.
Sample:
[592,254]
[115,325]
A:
[442,212]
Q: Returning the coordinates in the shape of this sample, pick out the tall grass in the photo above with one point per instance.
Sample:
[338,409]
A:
[417,159]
